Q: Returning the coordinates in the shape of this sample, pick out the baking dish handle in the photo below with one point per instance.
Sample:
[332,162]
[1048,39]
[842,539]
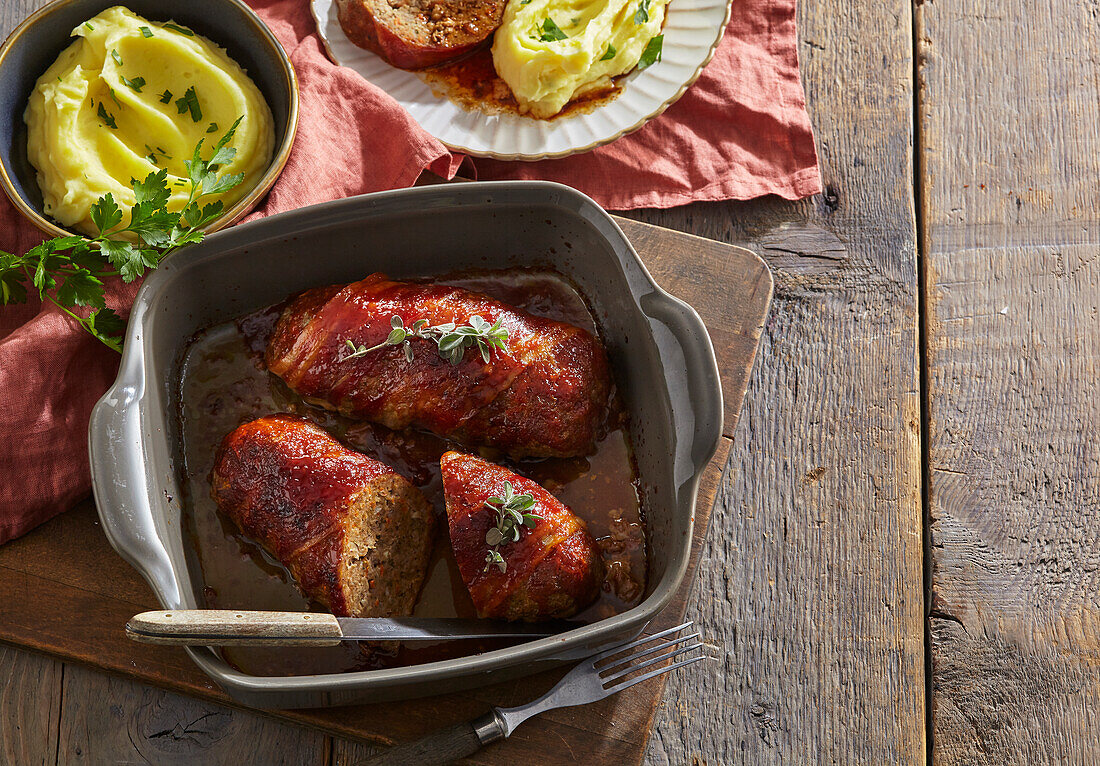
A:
[702,421]
[121,485]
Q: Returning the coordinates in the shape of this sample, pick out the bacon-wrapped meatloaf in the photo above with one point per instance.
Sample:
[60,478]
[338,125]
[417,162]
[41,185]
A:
[544,394]
[355,535]
[553,570]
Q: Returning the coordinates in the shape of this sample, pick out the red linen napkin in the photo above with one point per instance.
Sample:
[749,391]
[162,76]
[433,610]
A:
[741,131]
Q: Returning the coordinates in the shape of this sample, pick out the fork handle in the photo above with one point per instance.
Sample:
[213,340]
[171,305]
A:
[443,745]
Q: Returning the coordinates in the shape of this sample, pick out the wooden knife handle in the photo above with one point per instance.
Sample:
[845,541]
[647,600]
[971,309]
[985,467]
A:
[221,627]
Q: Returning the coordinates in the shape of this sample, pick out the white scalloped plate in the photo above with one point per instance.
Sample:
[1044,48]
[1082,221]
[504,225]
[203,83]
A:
[693,29]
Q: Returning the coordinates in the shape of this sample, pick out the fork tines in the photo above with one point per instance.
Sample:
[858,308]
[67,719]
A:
[614,673]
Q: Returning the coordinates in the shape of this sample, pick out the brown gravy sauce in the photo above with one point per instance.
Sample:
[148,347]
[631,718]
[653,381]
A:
[473,83]
[224,384]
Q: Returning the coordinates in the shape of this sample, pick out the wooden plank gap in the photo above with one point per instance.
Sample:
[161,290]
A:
[57,715]
[920,191]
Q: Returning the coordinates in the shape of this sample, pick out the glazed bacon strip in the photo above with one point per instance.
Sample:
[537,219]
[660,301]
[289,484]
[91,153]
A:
[544,396]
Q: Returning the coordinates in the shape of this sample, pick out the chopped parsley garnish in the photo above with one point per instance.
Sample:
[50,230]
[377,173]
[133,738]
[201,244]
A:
[524,2]
[652,52]
[166,97]
[189,102]
[177,28]
[642,16]
[146,32]
[88,24]
[108,119]
[116,57]
[135,84]
[111,93]
[152,155]
[609,53]
[212,128]
[551,31]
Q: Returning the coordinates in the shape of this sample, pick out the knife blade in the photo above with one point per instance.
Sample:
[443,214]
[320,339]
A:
[222,627]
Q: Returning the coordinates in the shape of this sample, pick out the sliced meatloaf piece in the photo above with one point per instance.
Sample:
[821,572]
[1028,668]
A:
[553,570]
[413,34]
[355,535]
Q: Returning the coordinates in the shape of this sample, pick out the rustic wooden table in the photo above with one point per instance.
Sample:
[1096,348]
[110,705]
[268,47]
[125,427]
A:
[903,561]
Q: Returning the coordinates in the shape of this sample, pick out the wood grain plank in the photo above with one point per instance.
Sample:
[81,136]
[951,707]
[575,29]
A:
[810,584]
[1010,123]
[30,693]
[107,719]
[14,11]
[348,752]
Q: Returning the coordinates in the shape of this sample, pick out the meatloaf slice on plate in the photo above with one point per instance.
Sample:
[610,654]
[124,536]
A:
[413,34]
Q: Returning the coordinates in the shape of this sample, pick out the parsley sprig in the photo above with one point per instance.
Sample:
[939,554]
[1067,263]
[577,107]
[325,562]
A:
[512,514]
[452,339]
[70,271]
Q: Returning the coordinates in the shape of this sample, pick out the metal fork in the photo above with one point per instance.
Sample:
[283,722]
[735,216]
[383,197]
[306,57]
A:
[598,676]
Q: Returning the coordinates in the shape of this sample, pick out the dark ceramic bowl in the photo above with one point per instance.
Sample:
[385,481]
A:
[659,349]
[36,43]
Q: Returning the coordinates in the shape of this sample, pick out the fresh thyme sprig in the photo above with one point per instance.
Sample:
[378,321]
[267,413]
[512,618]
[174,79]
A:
[70,271]
[452,339]
[512,514]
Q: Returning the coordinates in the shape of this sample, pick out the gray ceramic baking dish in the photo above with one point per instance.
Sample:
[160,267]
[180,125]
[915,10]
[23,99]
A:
[662,359]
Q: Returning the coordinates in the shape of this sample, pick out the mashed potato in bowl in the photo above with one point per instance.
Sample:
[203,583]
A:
[551,51]
[129,97]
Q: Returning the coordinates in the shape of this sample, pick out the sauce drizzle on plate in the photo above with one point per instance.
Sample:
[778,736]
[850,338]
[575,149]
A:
[474,84]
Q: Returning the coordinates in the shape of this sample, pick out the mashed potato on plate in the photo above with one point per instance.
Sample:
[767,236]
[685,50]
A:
[130,97]
[551,51]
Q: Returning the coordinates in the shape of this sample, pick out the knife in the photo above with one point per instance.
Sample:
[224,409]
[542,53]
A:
[221,627]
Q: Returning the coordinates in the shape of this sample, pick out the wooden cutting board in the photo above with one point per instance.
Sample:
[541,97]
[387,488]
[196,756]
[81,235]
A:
[64,591]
